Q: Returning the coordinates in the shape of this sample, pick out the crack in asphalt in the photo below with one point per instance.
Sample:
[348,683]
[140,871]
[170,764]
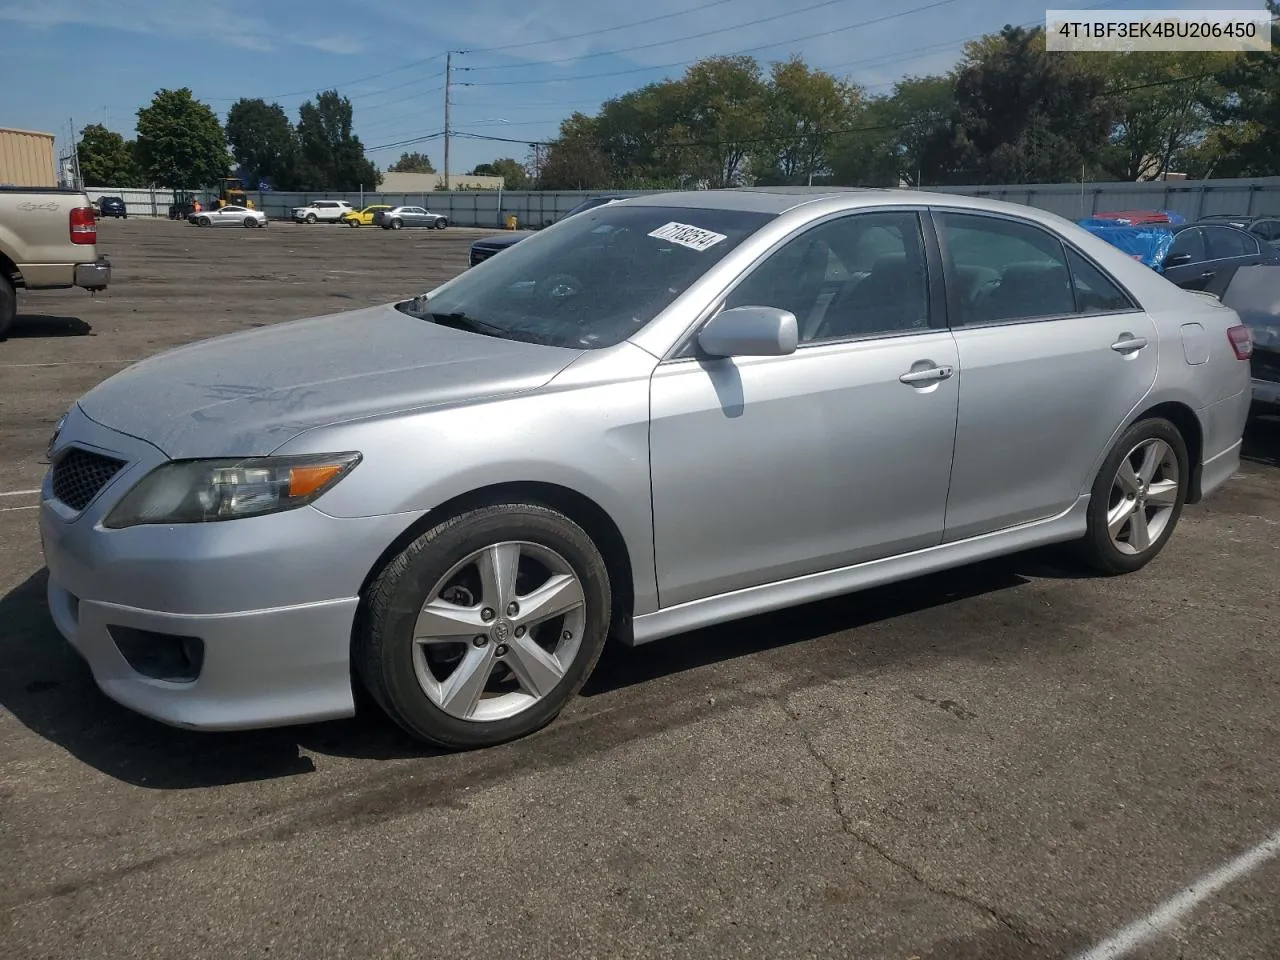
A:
[847,825]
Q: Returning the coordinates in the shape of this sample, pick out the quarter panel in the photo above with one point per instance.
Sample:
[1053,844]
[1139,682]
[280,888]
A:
[587,431]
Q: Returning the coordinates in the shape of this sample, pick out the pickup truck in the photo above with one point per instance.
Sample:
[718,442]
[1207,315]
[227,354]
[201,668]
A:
[48,241]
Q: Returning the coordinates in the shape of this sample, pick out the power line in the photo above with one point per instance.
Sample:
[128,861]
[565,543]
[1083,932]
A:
[663,43]
[603,30]
[685,63]
[347,83]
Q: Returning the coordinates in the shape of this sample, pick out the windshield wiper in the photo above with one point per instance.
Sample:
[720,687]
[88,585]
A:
[460,321]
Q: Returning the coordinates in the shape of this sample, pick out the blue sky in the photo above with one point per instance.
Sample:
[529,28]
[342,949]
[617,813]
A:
[528,63]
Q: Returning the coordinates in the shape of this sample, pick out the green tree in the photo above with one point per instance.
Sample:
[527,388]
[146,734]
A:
[412,163]
[180,141]
[804,110]
[1246,126]
[107,159]
[722,107]
[1022,116]
[512,172]
[574,160]
[263,142]
[331,157]
[893,135]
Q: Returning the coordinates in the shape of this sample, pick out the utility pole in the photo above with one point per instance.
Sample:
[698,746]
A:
[448,82]
[76,181]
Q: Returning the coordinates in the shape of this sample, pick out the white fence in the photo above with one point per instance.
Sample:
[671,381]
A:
[490,208]
[138,201]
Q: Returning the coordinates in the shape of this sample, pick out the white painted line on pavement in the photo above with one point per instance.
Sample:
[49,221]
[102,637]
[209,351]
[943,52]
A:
[34,506]
[18,493]
[1172,910]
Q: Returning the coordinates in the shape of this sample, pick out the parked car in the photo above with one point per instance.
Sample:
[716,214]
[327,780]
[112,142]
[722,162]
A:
[229,216]
[322,211]
[486,247]
[668,412]
[112,207]
[401,218]
[1268,228]
[1206,256]
[364,218]
[48,241]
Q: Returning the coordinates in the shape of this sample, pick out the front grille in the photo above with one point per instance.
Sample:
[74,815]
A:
[79,475]
[479,254]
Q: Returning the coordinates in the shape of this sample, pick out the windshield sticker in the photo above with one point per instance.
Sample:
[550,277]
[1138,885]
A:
[687,235]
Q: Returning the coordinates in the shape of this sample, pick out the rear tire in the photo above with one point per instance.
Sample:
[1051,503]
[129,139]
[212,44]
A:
[1137,498]
[8,306]
[504,676]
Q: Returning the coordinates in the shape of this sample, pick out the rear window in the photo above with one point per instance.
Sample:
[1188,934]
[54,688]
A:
[597,278]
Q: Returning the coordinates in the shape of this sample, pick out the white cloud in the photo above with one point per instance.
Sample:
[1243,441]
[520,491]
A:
[337,43]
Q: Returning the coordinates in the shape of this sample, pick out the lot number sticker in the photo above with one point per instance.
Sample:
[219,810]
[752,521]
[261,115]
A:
[687,235]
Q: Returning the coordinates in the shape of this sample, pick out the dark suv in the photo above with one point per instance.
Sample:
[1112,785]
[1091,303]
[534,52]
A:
[112,207]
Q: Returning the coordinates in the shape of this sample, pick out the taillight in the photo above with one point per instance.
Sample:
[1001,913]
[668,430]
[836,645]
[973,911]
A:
[1241,341]
[84,225]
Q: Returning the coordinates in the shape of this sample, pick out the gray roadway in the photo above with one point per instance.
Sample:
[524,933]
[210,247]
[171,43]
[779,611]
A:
[1011,761]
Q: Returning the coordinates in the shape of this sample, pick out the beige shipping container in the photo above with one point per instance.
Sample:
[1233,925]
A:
[26,159]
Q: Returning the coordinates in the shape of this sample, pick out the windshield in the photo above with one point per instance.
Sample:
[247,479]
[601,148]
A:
[593,280]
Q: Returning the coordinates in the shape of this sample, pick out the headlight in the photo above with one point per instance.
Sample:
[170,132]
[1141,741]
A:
[200,491]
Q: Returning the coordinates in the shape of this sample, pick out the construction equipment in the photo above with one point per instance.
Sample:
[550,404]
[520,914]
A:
[231,191]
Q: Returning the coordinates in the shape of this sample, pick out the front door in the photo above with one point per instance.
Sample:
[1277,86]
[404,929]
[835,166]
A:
[765,468]
[1053,357]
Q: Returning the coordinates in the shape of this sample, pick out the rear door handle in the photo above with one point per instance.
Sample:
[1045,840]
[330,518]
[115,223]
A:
[927,375]
[1129,344]
[1208,275]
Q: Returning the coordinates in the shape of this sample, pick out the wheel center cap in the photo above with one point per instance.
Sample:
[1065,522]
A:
[501,630]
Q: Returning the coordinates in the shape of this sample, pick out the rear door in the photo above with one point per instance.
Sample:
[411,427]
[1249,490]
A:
[1227,250]
[1053,356]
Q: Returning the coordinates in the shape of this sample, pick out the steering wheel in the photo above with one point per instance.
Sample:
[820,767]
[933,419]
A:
[560,287]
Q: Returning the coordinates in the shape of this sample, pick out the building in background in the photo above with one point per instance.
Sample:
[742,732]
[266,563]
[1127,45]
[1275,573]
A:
[427,182]
[26,159]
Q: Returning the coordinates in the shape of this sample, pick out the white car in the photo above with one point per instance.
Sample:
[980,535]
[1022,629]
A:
[326,211]
[229,216]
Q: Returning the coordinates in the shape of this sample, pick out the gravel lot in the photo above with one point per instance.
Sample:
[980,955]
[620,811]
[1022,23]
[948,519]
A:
[1011,761]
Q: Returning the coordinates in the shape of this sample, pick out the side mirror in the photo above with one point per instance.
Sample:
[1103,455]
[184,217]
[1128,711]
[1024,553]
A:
[1177,260]
[750,332]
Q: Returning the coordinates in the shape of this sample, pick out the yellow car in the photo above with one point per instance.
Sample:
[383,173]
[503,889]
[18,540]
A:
[364,218]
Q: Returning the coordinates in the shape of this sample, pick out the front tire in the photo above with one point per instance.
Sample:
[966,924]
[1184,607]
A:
[441,223]
[353,223]
[484,627]
[1137,498]
[397,224]
[203,222]
[250,222]
[8,306]
[311,218]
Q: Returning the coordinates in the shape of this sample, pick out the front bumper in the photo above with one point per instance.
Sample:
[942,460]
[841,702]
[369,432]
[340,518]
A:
[270,600]
[95,275]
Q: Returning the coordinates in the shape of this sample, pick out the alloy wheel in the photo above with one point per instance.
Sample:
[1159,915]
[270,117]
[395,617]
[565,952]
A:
[1144,495]
[499,631]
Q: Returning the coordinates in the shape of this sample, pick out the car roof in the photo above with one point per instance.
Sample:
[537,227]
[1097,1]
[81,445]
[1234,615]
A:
[779,200]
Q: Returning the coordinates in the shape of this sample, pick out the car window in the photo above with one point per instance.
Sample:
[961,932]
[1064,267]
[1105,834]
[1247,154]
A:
[233,209]
[1189,242]
[1002,270]
[1222,243]
[594,279]
[1095,292]
[1267,229]
[854,276]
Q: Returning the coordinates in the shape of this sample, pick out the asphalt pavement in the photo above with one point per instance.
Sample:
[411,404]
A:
[1011,762]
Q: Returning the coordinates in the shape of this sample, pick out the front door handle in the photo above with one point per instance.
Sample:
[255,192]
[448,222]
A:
[927,375]
[1129,344]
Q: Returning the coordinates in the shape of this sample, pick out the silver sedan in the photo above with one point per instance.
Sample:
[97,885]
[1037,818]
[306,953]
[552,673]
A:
[664,413]
[229,216]
[400,218]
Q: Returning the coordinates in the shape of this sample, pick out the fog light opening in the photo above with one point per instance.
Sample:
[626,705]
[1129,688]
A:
[160,656]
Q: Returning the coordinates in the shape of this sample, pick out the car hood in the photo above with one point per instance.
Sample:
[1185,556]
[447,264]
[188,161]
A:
[247,393]
[505,240]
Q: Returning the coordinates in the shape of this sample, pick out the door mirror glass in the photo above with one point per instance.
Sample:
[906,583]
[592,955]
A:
[750,332]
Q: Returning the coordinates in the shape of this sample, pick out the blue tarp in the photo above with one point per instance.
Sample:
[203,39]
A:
[1149,243]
